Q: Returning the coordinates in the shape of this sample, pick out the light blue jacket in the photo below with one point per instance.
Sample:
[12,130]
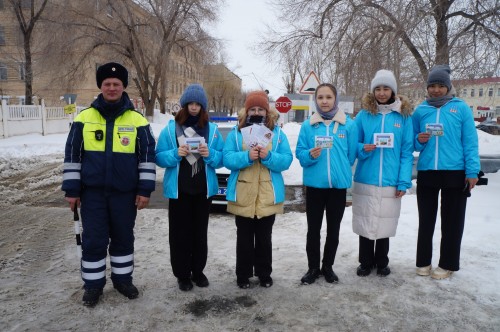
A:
[332,169]
[167,157]
[458,148]
[385,167]
[278,160]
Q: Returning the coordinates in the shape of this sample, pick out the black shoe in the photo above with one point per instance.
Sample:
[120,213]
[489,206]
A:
[266,281]
[91,296]
[127,289]
[185,284]
[243,283]
[329,275]
[310,277]
[200,280]
[363,270]
[383,271]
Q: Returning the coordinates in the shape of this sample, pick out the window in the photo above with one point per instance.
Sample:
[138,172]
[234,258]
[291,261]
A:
[472,93]
[1,5]
[22,71]
[481,92]
[3,72]
[490,92]
[2,36]
[498,92]
[464,93]
[25,3]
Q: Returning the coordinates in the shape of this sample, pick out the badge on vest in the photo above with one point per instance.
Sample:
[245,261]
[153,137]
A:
[125,140]
[126,129]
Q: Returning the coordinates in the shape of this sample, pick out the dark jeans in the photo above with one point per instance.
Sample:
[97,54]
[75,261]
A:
[317,200]
[188,225]
[254,246]
[453,205]
[373,252]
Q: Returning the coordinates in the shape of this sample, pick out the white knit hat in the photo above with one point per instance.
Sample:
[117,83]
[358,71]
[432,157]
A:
[385,78]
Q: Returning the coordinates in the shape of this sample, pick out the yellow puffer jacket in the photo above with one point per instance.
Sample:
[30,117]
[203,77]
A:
[255,193]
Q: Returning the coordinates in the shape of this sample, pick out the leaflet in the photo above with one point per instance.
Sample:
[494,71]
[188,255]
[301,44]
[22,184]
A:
[324,142]
[435,129]
[256,135]
[383,140]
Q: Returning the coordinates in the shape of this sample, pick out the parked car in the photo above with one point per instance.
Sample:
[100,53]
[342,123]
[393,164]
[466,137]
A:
[219,200]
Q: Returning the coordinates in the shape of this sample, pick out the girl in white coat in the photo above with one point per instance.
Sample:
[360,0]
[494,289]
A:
[383,171]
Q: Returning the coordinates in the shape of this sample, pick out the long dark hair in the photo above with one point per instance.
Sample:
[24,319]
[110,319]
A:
[183,115]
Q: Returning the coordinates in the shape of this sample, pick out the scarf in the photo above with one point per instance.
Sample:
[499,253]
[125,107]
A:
[439,101]
[188,130]
[331,113]
[387,108]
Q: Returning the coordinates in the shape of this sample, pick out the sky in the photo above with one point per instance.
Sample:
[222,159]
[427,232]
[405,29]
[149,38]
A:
[241,25]
[40,287]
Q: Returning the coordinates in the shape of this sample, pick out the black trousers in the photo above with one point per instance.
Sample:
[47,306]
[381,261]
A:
[453,205]
[254,246]
[317,201]
[188,226]
[373,252]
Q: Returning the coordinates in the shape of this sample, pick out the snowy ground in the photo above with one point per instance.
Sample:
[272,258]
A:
[40,287]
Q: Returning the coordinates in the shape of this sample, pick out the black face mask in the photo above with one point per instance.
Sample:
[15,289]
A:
[258,119]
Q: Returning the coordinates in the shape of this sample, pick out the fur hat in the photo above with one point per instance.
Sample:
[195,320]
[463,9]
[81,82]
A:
[257,98]
[111,70]
[194,93]
[384,77]
[440,74]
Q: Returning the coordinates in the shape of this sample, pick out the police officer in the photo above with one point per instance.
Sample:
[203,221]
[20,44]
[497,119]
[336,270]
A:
[109,168]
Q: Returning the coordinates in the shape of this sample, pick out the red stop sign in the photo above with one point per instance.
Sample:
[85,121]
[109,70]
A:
[283,104]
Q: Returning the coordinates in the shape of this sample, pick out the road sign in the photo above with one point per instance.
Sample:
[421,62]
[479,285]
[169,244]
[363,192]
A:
[310,84]
[283,104]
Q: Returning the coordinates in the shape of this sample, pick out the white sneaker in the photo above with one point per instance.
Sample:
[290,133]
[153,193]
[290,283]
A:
[440,273]
[424,271]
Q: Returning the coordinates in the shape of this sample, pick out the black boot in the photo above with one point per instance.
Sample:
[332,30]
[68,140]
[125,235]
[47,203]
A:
[363,271]
[127,289]
[266,281]
[185,284]
[310,276]
[383,271]
[91,296]
[243,283]
[329,275]
[200,280]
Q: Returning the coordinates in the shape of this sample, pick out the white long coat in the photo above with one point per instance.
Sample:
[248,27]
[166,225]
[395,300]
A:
[375,211]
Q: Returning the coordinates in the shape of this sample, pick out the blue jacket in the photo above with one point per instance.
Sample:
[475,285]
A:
[110,149]
[167,157]
[332,169]
[385,167]
[457,149]
[277,161]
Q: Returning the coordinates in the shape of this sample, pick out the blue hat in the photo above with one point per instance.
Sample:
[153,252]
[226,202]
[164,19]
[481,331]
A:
[111,70]
[194,93]
[440,74]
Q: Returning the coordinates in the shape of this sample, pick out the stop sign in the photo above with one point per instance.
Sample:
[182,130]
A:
[283,104]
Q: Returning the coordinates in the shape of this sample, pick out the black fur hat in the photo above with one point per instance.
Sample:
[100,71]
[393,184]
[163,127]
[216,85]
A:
[111,69]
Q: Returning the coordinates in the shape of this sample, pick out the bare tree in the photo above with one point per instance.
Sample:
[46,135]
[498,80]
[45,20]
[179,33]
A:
[28,14]
[143,34]
[397,34]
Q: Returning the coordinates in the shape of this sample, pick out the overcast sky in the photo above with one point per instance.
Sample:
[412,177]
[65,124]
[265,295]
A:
[241,24]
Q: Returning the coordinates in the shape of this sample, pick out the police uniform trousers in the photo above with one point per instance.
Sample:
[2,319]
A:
[108,220]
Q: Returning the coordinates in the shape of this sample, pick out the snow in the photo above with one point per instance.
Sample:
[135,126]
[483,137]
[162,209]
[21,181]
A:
[40,288]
